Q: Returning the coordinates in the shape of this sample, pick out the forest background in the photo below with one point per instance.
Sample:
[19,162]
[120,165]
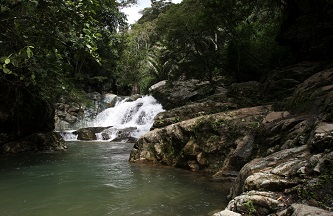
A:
[52,47]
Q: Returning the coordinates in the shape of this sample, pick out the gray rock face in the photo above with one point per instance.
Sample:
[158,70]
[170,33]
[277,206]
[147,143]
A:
[178,93]
[274,158]
[190,111]
[282,83]
[67,114]
[275,172]
[202,143]
[314,95]
[71,115]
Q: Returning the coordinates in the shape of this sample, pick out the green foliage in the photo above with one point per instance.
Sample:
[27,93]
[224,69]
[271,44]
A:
[157,8]
[250,207]
[203,39]
[56,45]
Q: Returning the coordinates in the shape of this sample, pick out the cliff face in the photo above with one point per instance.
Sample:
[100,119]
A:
[24,119]
[276,152]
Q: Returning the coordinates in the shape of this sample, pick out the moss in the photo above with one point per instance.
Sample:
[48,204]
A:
[209,128]
[250,208]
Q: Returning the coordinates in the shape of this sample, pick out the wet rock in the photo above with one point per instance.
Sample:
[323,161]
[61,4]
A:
[67,114]
[242,153]
[89,133]
[109,100]
[125,133]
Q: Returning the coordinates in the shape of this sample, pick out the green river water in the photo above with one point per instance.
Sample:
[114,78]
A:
[95,178]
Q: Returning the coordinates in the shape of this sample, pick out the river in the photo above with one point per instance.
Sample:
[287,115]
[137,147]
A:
[96,179]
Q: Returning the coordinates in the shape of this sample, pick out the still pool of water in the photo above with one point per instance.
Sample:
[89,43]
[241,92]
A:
[96,179]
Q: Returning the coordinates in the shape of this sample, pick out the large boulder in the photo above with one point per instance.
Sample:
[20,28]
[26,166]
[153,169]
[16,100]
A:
[211,103]
[275,172]
[67,114]
[89,133]
[280,84]
[314,95]
[178,93]
[190,111]
[203,143]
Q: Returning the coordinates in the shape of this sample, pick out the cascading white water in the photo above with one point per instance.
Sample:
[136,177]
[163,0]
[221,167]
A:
[127,118]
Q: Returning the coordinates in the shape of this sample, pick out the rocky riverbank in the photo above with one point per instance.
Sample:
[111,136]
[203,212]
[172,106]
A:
[273,140]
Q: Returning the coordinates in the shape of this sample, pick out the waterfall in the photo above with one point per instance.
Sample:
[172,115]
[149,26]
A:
[125,119]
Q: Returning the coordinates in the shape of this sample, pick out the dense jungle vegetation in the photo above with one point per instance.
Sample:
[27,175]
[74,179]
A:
[57,46]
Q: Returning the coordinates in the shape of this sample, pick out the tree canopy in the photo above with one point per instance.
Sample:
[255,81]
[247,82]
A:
[55,46]
[52,45]
[203,39]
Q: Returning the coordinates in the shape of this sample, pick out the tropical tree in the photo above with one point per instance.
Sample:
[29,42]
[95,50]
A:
[236,38]
[140,63]
[52,45]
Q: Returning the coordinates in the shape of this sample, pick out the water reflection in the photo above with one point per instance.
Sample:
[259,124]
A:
[97,179]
